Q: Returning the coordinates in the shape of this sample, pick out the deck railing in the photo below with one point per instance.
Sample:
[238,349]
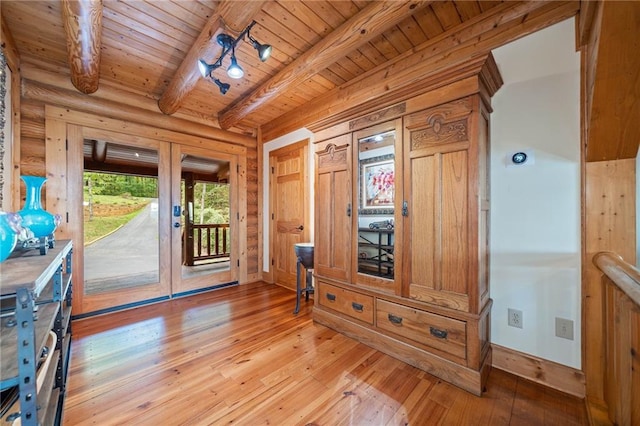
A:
[621,338]
[210,241]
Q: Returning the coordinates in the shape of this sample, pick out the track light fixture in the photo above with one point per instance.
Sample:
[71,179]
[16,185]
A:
[228,44]
[264,50]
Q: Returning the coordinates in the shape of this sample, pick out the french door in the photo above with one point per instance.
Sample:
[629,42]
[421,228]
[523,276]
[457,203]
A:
[131,263]
[203,228]
[184,238]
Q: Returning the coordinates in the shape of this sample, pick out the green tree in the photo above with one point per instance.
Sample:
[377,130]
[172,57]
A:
[114,184]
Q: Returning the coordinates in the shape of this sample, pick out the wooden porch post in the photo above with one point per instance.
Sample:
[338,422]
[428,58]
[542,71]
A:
[187,249]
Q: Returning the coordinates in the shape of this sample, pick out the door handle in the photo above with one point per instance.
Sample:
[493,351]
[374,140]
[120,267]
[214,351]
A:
[301,228]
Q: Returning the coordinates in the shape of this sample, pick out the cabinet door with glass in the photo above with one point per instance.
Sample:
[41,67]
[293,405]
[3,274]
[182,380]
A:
[379,205]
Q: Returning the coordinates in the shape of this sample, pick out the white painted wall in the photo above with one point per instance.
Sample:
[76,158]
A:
[535,207]
[272,145]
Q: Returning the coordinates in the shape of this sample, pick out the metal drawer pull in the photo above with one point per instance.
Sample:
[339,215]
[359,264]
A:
[395,319]
[357,307]
[331,297]
[440,334]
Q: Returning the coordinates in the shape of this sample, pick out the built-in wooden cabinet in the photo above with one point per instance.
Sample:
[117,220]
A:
[417,234]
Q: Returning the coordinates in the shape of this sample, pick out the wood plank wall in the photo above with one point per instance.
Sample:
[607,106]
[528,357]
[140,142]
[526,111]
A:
[609,190]
[253,223]
[13,62]
[33,162]
[609,226]
[32,141]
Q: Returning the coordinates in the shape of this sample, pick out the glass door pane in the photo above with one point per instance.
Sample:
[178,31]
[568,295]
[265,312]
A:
[203,247]
[122,239]
[121,217]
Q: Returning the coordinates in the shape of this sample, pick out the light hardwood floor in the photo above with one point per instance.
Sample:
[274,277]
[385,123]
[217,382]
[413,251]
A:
[238,355]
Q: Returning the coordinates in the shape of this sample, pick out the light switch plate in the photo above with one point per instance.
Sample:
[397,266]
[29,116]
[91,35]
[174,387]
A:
[564,328]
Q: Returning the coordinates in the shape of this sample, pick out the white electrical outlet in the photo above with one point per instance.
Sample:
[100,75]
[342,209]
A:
[515,318]
[564,328]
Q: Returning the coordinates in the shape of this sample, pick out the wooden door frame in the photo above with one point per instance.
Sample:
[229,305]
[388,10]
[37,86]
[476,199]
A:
[269,276]
[65,127]
[82,303]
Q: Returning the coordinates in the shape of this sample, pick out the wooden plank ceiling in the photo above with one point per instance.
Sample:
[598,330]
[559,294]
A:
[151,47]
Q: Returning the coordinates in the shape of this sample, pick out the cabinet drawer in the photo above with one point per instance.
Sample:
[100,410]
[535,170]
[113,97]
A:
[348,302]
[445,334]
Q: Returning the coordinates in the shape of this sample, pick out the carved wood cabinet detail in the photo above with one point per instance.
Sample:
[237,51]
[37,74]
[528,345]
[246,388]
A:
[333,210]
[434,311]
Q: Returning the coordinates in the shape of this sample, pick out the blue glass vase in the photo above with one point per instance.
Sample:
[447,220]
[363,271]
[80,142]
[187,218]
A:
[8,234]
[40,222]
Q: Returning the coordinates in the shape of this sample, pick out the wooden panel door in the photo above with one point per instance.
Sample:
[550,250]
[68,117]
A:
[441,154]
[289,211]
[333,209]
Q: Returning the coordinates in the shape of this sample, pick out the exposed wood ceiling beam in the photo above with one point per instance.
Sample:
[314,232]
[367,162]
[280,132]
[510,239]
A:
[124,169]
[237,15]
[82,21]
[400,77]
[361,28]
[9,47]
[98,151]
[613,130]
[109,91]
[122,111]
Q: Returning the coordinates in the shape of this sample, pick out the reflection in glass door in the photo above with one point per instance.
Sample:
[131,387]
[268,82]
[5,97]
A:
[203,238]
[377,216]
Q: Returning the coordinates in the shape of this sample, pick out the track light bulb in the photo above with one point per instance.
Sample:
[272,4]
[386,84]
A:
[235,70]
[205,69]
[264,50]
